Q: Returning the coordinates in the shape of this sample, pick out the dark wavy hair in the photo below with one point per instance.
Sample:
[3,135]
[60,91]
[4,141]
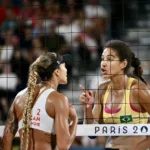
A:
[125,53]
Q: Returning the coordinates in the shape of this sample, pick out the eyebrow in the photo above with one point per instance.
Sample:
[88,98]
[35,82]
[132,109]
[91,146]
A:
[109,55]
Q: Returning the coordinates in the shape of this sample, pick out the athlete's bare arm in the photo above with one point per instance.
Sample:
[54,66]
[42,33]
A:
[141,94]
[65,134]
[10,130]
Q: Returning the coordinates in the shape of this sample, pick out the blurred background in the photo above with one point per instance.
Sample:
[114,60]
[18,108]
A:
[79,27]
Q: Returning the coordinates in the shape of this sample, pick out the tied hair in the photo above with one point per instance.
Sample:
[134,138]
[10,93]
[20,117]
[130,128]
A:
[30,96]
[138,70]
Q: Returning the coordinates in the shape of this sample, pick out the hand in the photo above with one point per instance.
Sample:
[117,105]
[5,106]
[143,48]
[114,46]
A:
[87,97]
[72,113]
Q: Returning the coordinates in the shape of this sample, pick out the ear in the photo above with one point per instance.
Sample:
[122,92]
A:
[56,72]
[124,64]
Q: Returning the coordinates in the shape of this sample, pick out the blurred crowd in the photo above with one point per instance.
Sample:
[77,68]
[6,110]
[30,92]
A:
[29,28]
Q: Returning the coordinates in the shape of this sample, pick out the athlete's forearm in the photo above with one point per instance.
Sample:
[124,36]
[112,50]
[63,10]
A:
[72,129]
[6,144]
[7,138]
[144,145]
[88,116]
[10,130]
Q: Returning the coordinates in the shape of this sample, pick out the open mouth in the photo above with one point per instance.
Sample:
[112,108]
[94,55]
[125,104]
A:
[104,71]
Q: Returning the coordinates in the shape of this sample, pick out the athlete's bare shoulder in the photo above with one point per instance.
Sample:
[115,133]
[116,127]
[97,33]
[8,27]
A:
[20,95]
[101,90]
[57,102]
[103,85]
[22,92]
[140,91]
[139,85]
[57,98]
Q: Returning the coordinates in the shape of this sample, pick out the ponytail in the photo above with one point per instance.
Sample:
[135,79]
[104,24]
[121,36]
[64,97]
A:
[30,97]
[38,71]
[138,70]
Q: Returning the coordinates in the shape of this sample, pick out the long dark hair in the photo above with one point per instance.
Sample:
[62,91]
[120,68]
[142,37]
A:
[125,53]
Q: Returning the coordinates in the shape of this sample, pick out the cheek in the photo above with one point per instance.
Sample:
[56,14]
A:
[63,72]
[114,67]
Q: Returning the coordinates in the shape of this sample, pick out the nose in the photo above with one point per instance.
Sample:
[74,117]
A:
[103,63]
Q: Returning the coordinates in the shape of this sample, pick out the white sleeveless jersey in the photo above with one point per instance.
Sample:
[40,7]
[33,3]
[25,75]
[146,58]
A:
[40,119]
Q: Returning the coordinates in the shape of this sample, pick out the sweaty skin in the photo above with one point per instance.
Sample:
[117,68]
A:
[55,105]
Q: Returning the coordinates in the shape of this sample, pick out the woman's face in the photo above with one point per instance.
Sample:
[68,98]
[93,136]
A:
[111,64]
[62,74]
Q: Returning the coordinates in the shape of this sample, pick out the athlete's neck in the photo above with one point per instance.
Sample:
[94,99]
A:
[119,82]
[50,84]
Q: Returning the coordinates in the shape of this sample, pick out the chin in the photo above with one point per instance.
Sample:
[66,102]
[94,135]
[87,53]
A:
[64,82]
[107,76]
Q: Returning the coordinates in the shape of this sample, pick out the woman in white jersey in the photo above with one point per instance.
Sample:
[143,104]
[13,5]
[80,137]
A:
[39,112]
[121,98]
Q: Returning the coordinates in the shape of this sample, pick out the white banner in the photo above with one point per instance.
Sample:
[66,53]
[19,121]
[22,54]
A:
[108,130]
[113,129]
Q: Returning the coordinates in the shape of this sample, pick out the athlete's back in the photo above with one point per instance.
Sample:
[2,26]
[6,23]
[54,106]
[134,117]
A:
[42,132]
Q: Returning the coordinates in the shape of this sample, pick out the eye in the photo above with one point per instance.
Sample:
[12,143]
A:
[109,58]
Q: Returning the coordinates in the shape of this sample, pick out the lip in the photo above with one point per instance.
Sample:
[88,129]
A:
[104,71]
